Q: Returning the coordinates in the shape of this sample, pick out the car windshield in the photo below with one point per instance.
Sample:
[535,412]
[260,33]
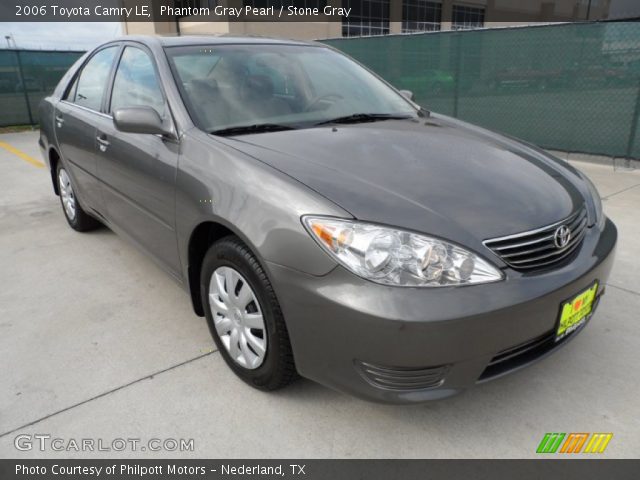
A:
[229,87]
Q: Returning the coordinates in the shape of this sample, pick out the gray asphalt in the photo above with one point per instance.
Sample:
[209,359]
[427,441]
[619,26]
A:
[97,342]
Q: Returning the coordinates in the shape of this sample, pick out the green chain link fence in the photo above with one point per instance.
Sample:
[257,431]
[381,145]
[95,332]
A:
[571,87]
[27,76]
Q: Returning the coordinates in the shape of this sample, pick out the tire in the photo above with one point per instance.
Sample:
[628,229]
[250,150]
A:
[77,218]
[276,369]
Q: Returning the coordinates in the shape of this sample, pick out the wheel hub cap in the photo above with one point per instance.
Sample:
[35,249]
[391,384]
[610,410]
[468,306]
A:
[237,317]
[67,195]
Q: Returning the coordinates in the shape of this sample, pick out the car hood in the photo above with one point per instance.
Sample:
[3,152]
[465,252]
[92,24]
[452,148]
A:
[436,175]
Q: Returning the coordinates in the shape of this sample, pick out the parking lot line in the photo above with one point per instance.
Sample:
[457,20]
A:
[19,153]
[151,376]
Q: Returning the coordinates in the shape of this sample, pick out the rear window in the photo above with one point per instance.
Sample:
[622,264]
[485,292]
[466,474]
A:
[89,86]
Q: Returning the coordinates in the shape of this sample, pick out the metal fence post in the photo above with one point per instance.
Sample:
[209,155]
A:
[456,89]
[24,88]
[634,125]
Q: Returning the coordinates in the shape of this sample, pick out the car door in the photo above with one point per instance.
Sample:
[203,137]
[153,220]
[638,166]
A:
[75,120]
[138,171]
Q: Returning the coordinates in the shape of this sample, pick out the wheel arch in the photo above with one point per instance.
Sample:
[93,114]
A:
[202,237]
[54,159]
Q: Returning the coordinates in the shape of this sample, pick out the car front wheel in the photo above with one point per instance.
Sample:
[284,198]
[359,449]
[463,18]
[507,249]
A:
[244,316]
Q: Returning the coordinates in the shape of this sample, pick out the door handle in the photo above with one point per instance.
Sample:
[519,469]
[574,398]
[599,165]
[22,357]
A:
[59,121]
[103,142]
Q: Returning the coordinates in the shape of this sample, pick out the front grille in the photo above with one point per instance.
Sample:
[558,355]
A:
[537,248]
[400,378]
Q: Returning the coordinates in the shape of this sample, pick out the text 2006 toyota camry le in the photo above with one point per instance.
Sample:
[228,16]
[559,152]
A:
[324,223]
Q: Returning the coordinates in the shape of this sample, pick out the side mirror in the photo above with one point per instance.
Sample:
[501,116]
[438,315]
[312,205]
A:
[407,94]
[140,120]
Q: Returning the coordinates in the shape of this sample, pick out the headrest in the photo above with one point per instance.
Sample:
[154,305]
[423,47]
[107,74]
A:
[258,86]
[204,87]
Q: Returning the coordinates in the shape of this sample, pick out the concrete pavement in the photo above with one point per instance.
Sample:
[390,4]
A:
[97,342]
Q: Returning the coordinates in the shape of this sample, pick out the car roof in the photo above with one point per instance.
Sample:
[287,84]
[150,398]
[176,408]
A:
[222,39]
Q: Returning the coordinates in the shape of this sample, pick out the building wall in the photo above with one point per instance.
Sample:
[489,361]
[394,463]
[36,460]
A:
[149,28]
[294,30]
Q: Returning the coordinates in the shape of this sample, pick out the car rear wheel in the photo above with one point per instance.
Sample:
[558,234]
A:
[244,316]
[77,218]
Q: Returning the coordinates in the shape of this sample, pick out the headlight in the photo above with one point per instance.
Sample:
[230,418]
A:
[597,202]
[395,257]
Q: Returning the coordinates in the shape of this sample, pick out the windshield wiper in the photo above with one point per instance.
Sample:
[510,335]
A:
[257,128]
[365,117]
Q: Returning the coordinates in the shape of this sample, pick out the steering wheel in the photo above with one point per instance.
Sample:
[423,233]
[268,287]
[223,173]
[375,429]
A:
[330,96]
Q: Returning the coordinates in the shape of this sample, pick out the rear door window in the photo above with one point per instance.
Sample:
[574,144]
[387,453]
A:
[92,82]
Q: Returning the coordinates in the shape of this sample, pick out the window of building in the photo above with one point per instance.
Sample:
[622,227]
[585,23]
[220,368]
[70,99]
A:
[368,17]
[136,83]
[464,18]
[92,82]
[420,16]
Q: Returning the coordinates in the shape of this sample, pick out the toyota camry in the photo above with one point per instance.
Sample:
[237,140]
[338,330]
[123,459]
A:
[325,224]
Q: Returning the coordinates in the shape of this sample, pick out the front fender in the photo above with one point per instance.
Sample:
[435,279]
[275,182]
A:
[263,206]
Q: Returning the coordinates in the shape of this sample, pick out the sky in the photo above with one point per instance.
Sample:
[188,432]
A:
[58,36]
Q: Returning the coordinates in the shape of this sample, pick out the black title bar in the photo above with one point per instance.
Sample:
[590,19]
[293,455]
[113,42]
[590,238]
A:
[506,11]
[543,469]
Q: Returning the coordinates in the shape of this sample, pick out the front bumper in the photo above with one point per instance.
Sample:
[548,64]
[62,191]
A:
[346,331]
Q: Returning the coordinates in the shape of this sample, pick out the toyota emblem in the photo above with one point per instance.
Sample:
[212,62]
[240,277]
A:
[562,236]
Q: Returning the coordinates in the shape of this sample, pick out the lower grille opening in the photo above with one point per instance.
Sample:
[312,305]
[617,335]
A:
[514,357]
[401,378]
[527,352]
